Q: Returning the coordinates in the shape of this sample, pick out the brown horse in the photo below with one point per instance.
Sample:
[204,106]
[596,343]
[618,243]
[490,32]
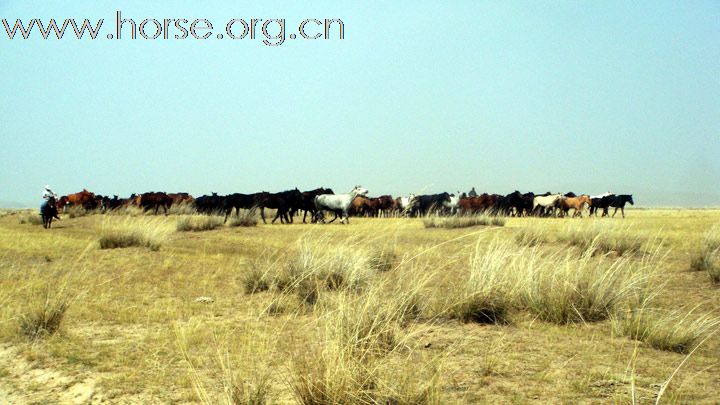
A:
[181,198]
[576,203]
[476,205]
[154,200]
[384,205]
[83,199]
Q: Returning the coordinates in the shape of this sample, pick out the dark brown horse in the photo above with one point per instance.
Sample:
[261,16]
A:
[307,203]
[384,205]
[48,211]
[238,200]
[153,200]
[181,198]
[284,202]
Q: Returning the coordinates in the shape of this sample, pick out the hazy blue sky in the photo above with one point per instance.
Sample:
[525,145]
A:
[419,97]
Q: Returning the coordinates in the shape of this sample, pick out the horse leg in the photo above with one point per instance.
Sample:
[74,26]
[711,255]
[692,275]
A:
[614,212]
[262,214]
[622,209]
[336,217]
[284,216]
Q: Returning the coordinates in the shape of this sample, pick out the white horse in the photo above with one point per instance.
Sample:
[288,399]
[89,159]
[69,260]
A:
[548,201]
[339,203]
[452,205]
[406,203]
[601,195]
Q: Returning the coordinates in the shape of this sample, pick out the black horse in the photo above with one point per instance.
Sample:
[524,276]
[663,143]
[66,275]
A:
[308,202]
[602,203]
[425,204]
[619,201]
[284,202]
[237,201]
[48,211]
[210,204]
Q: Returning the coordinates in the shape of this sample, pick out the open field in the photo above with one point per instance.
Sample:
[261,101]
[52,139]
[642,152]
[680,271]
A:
[533,310]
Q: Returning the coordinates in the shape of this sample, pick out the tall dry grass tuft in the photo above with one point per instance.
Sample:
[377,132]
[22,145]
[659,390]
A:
[489,289]
[246,218]
[238,367]
[45,318]
[32,218]
[462,221]
[363,348]
[257,278]
[198,223]
[714,272]
[344,265]
[676,331]
[531,236]
[557,287]
[330,375]
[563,288]
[708,258]
[141,232]
[129,211]
[371,323]
[182,209]
[77,211]
[603,237]
[382,258]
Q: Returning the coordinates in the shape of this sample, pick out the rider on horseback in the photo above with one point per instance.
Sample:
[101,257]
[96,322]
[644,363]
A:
[48,209]
[47,193]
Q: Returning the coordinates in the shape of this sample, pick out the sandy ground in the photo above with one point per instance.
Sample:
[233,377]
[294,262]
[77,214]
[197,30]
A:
[26,384]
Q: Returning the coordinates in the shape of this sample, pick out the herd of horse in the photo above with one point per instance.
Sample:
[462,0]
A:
[317,202]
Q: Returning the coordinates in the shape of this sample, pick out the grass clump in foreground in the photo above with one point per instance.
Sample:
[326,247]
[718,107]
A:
[77,211]
[675,331]
[340,266]
[531,236]
[361,343]
[562,288]
[489,290]
[245,218]
[182,209]
[382,259]
[462,221]
[44,319]
[603,238]
[257,278]
[32,218]
[249,384]
[198,223]
[557,287]
[708,258]
[129,233]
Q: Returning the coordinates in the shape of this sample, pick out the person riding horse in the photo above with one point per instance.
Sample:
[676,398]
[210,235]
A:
[472,193]
[48,209]
[47,193]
